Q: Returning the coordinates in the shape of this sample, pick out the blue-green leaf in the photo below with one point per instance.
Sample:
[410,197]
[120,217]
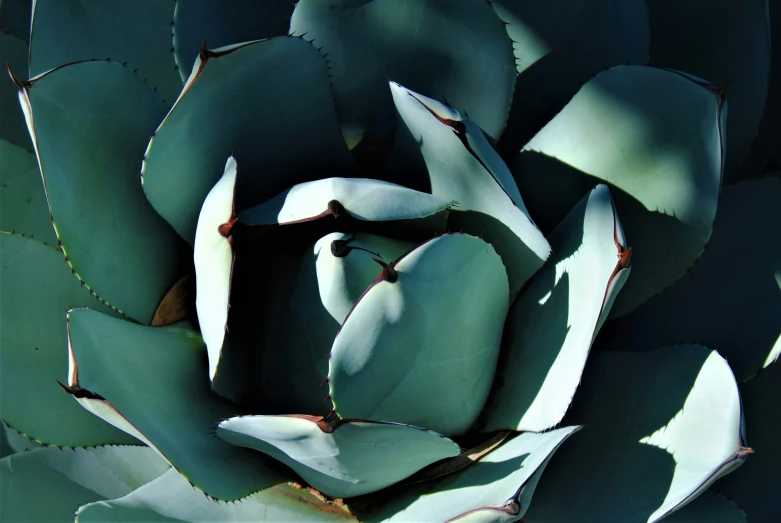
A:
[656,137]
[642,452]
[426,333]
[269,103]
[213,256]
[23,206]
[89,137]
[448,49]
[498,487]
[12,441]
[730,43]
[308,309]
[49,484]
[13,52]
[149,382]
[344,458]
[171,498]
[464,168]
[137,33]
[550,328]
[559,46]
[732,299]
[754,485]
[36,289]
[224,23]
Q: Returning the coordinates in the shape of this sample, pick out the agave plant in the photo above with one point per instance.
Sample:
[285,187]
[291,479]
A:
[422,260]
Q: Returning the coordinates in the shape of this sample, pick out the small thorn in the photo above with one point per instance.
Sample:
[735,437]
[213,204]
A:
[327,398]
[388,274]
[225,228]
[324,382]
[336,209]
[744,451]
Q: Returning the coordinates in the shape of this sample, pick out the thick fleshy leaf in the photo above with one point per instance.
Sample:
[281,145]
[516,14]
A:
[13,51]
[308,309]
[730,43]
[171,498]
[37,287]
[449,49]
[359,199]
[137,33]
[732,299]
[23,206]
[755,485]
[15,18]
[88,137]
[279,120]
[558,47]
[149,382]
[498,487]
[550,328]
[224,23]
[656,137]
[425,333]
[12,441]
[463,167]
[344,458]
[643,450]
[709,507]
[49,484]
[213,255]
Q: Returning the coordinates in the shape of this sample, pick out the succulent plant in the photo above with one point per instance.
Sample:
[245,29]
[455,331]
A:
[523,249]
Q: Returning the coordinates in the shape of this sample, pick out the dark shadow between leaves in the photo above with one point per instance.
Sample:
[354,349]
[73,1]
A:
[663,247]
[382,505]
[521,262]
[604,473]
[516,386]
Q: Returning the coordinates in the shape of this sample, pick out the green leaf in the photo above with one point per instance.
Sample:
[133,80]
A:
[213,255]
[656,137]
[137,33]
[709,507]
[731,299]
[13,52]
[558,47]
[426,333]
[550,328]
[464,168]
[88,137]
[171,498]
[149,382]
[15,18]
[12,441]
[498,487]
[754,485]
[268,102]
[343,458]
[309,307]
[449,49]
[641,453]
[223,23]
[357,198]
[49,484]
[37,287]
[730,43]
[23,205]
